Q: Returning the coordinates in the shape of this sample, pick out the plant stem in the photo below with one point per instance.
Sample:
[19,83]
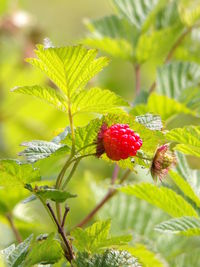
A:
[64,216]
[71,127]
[18,237]
[171,52]
[111,192]
[69,255]
[71,173]
[141,157]
[137,79]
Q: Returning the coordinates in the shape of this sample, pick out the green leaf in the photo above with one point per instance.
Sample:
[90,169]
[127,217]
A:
[146,257]
[173,78]
[70,68]
[166,107]
[13,173]
[110,258]
[96,237]
[188,226]
[191,98]
[163,198]
[152,122]
[185,187]
[15,256]
[97,100]
[157,44]
[46,93]
[136,12]
[85,136]
[38,149]
[46,192]
[112,35]
[188,139]
[47,251]
[118,48]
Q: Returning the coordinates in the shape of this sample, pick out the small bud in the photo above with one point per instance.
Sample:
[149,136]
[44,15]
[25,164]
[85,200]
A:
[163,161]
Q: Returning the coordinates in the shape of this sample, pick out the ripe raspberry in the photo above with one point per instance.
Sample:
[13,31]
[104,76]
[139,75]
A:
[118,141]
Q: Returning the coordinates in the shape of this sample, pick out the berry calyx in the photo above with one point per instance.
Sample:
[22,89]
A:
[163,161]
[118,141]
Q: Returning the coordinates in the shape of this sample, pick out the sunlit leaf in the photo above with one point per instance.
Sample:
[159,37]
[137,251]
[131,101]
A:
[188,139]
[163,198]
[13,173]
[96,237]
[97,100]
[46,93]
[184,187]
[184,226]
[70,68]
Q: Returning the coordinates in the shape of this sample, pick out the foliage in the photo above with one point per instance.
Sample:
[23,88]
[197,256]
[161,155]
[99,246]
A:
[134,218]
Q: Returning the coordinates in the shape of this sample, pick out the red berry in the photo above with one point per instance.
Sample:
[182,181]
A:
[118,141]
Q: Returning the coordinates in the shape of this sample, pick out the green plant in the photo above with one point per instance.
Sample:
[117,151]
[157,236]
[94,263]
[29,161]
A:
[140,32]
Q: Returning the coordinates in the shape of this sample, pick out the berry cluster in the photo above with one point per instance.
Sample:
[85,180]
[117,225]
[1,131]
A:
[118,141]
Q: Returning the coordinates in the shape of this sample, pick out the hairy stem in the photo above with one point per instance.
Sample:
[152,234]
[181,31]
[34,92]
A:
[137,79]
[69,253]
[111,192]
[171,52]
[18,237]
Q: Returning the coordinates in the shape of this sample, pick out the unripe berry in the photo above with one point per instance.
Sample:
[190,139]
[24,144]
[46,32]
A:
[118,142]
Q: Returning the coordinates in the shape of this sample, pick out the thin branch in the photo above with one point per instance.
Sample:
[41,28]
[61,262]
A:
[18,237]
[171,52]
[64,216]
[69,255]
[111,192]
[137,79]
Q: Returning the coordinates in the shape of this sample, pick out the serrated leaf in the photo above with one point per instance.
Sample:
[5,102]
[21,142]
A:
[15,256]
[85,136]
[184,187]
[146,257]
[70,68]
[38,149]
[153,122]
[47,251]
[96,237]
[97,100]
[188,226]
[46,192]
[173,78]
[46,93]
[188,139]
[136,12]
[15,174]
[109,258]
[163,198]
